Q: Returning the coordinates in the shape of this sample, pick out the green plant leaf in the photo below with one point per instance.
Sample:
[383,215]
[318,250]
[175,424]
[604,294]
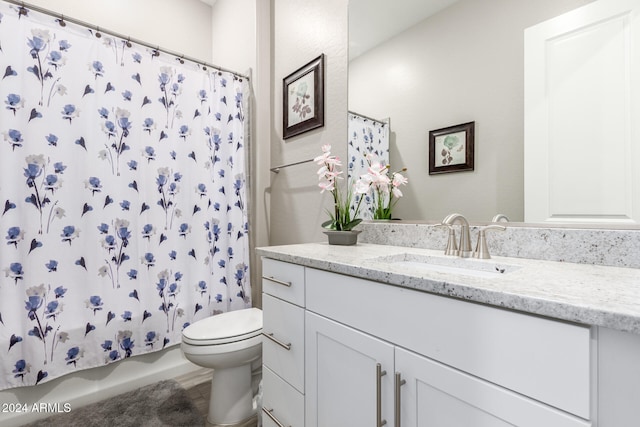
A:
[329,224]
[352,224]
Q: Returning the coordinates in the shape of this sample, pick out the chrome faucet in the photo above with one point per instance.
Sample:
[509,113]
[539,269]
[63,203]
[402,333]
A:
[464,248]
[500,217]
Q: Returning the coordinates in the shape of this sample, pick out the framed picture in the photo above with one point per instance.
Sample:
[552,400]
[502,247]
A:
[451,149]
[303,99]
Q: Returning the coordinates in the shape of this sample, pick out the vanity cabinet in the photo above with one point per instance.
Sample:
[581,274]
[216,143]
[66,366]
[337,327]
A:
[378,353]
[618,378]
[344,366]
[283,343]
[364,353]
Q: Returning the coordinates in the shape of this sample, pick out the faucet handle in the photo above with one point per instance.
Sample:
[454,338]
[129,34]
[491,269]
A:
[452,246]
[482,250]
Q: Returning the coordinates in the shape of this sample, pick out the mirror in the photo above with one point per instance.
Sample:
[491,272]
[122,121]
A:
[445,63]
[368,143]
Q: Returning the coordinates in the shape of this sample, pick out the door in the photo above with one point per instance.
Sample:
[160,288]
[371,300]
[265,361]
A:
[582,137]
[435,395]
[348,375]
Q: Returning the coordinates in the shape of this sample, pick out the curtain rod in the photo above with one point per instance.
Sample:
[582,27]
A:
[98,29]
[384,122]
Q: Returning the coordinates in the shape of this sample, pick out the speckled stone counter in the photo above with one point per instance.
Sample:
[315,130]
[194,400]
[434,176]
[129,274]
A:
[584,245]
[588,294]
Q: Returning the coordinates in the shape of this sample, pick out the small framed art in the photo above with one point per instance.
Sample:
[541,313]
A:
[303,99]
[451,149]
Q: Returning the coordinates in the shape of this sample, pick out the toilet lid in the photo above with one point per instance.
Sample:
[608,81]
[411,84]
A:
[226,327]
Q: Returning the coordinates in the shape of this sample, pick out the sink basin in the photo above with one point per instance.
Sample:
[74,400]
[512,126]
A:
[453,265]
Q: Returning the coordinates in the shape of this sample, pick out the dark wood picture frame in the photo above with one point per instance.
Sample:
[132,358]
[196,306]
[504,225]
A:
[451,149]
[303,99]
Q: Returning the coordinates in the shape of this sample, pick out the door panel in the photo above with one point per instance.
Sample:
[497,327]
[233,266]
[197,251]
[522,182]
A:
[582,145]
[341,375]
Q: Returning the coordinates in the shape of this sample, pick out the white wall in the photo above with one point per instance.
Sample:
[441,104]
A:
[302,30]
[463,64]
[182,26]
[233,27]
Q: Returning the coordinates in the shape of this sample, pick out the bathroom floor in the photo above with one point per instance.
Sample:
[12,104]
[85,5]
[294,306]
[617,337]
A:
[198,387]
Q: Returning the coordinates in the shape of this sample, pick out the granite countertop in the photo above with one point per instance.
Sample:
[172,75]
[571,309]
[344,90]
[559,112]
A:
[587,294]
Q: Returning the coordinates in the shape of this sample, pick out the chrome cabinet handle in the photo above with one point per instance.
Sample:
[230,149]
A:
[273,417]
[277,341]
[379,374]
[399,382]
[279,282]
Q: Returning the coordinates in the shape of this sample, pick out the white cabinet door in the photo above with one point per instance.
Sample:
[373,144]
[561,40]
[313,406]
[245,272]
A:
[341,376]
[582,101]
[435,395]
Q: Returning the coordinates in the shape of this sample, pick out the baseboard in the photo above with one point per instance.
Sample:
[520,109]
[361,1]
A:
[90,386]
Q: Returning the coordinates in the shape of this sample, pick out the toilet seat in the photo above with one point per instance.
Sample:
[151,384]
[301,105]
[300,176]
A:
[225,328]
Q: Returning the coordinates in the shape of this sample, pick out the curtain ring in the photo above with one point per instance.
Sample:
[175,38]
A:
[61,21]
[128,41]
[98,35]
[181,59]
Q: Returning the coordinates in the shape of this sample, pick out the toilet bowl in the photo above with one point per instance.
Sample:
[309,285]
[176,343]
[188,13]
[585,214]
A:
[230,344]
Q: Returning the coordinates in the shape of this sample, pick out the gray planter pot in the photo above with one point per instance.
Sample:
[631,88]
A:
[343,238]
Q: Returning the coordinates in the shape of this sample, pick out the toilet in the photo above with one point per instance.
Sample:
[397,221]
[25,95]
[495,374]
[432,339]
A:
[231,344]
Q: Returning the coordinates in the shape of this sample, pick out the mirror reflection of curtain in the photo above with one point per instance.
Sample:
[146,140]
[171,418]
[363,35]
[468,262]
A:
[366,136]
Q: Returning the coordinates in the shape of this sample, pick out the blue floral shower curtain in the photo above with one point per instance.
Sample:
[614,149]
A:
[122,197]
[366,136]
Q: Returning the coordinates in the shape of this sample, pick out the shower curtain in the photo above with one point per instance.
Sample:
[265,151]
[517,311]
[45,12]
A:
[366,136]
[122,197]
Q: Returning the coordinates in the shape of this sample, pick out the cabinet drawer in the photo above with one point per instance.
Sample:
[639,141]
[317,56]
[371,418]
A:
[283,280]
[284,402]
[283,322]
[541,358]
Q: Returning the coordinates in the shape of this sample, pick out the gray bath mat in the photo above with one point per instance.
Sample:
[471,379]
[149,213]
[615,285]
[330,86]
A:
[157,405]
